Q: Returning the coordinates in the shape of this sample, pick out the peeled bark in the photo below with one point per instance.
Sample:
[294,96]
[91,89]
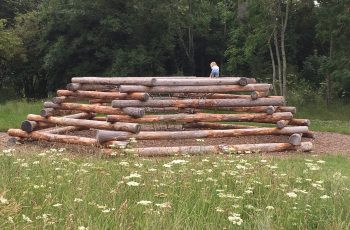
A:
[229,149]
[197,89]
[115,80]
[295,139]
[199,103]
[85,108]
[121,126]
[257,117]
[104,95]
[206,81]
[170,109]
[103,135]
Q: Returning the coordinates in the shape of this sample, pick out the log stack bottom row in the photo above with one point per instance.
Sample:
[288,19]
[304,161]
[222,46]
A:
[124,110]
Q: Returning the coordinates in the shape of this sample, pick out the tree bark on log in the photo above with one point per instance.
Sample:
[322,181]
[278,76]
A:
[199,103]
[198,117]
[228,149]
[206,81]
[104,95]
[91,87]
[197,89]
[103,135]
[115,80]
[298,122]
[170,109]
[134,112]
[207,125]
[84,107]
[120,126]
[68,139]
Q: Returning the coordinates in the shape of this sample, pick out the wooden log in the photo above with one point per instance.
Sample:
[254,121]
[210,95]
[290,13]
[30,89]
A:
[103,95]
[295,139]
[197,89]
[199,103]
[62,130]
[85,108]
[169,110]
[270,109]
[220,96]
[48,112]
[298,122]
[198,117]
[100,101]
[30,126]
[208,125]
[256,94]
[205,81]
[134,112]
[229,149]
[91,87]
[45,136]
[309,135]
[62,99]
[258,109]
[115,80]
[103,135]
[121,126]
[282,123]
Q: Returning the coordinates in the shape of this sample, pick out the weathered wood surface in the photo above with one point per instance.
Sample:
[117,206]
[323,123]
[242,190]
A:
[103,95]
[303,122]
[198,117]
[229,149]
[208,125]
[199,103]
[170,109]
[271,109]
[51,137]
[90,87]
[121,126]
[197,89]
[115,80]
[134,112]
[62,99]
[103,135]
[205,81]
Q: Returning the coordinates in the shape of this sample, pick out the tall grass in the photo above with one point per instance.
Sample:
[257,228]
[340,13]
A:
[57,191]
[12,113]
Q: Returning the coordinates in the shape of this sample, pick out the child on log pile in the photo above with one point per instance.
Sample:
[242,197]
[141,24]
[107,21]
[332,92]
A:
[214,70]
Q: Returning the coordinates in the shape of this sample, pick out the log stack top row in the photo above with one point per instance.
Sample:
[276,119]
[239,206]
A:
[121,108]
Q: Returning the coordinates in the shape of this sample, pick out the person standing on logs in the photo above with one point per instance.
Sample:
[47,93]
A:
[214,70]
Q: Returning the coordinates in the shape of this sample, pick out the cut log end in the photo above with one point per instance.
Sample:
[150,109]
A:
[73,86]
[28,126]
[134,112]
[270,110]
[243,81]
[282,123]
[295,139]
[47,112]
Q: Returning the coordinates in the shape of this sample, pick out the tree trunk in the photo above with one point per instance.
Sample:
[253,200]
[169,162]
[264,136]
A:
[283,50]
[278,62]
[273,67]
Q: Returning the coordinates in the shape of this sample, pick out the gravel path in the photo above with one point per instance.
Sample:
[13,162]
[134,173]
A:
[325,142]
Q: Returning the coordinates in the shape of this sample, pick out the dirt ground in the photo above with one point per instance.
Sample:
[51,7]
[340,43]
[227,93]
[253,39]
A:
[325,142]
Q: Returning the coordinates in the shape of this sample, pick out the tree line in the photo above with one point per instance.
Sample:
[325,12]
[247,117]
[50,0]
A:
[45,43]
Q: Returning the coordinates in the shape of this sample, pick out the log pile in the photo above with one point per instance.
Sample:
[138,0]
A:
[120,109]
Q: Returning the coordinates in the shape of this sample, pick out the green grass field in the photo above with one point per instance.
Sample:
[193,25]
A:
[55,190]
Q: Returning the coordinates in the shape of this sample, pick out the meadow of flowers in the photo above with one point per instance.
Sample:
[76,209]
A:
[55,190]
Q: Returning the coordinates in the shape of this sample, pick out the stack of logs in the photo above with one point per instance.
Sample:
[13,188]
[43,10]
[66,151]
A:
[121,109]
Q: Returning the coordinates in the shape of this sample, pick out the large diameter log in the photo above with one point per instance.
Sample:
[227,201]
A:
[195,150]
[46,136]
[295,139]
[199,103]
[115,80]
[206,81]
[93,87]
[121,126]
[84,107]
[198,117]
[103,135]
[207,125]
[197,89]
[104,95]
[300,122]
